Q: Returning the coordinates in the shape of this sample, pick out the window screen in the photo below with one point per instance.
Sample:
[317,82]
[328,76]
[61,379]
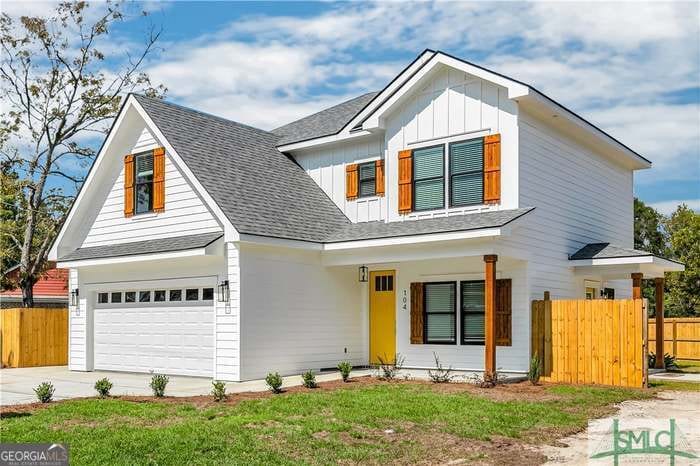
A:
[473,312]
[143,179]
[440,312]
[467,172]
[428,178]
[367,179]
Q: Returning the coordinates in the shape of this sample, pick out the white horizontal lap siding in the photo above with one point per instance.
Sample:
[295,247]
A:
[297,315]
[580,197]
[326,166]
[463,357]
[227,364]
[185,212]
[79,358]
[449,103]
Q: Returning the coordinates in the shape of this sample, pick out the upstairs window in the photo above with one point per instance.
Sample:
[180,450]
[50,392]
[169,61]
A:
[429,178]
[440,309]
[473,311]
[143,181]
[467,173]
[368,179]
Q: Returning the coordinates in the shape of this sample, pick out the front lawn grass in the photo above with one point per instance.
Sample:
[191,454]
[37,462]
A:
[674,385]
[687,366]
[400,422]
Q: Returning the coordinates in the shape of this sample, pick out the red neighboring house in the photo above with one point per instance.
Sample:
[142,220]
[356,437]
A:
[50,291]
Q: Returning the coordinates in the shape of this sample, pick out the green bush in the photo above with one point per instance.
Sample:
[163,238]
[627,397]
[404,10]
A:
[669,361]
[533,374]
[274,382]
[309,379]
[158,384]
[44,392]
[218,390]
[103,386]
[345,367]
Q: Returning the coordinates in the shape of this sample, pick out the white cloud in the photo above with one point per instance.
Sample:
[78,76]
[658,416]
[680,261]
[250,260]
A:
[668,207]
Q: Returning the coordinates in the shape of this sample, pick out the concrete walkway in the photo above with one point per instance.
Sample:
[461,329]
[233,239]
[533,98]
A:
[675,376]
[16,385]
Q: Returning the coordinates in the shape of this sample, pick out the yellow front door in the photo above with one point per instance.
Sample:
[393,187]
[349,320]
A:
[382,316]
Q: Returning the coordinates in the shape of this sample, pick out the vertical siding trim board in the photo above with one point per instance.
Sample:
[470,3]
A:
[128,185]
[159,179]
[492,169]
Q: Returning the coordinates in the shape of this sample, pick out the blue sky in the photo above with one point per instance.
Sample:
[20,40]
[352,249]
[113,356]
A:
[631,68]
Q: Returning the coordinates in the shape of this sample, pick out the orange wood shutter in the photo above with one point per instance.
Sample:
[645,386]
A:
[379,178]
[405,181]
[159,179]
[352,182]
[492,169]
[416,313]
[504,312]
[128,185]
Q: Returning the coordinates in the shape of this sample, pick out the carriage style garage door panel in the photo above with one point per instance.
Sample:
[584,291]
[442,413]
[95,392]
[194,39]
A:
[168,329]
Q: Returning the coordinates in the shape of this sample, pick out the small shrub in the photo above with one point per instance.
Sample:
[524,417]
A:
[488,381]
[669,361]
[158,384]
[218,390]
[440,374]
[309,379]
[44,392]
[390,369]
[103,386]
[274,382]
[345,367]
[533,374]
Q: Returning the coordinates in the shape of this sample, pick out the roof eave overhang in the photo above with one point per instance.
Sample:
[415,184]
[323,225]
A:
[622,267]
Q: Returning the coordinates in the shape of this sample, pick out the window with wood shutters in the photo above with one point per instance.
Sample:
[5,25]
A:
[379,191]
[467,172]
[351,181]
[368,179]
[492,169]
[429,178]
[159,179]
[143,182]
[439,302]
[405,181]
[128,185]
[473,308]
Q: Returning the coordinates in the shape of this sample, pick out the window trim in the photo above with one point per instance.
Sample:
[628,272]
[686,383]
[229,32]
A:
[452,175]
[462,312]
[425,314]
[136,183]
[360,180]
[413,181]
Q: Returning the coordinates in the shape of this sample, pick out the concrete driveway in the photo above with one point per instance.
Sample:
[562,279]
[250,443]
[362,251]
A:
[17,385]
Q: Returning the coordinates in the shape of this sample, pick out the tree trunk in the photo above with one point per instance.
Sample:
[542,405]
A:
[27,286]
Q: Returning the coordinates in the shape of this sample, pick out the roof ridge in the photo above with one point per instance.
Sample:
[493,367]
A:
[200,112]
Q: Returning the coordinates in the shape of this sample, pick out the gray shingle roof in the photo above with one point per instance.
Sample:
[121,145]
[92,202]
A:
[606,251]
[151,246]
[323,123]
[476,221]
[259,189]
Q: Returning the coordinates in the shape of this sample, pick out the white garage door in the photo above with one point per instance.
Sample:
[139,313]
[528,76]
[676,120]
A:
[166,329]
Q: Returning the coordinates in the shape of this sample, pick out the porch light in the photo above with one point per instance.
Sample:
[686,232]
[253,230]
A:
[364,274]
[223,291]
[74,297]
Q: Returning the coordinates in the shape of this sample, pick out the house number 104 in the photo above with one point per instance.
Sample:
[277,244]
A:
[404,300]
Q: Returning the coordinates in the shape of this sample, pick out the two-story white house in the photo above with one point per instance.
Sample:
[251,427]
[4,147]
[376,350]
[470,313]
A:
[420,219]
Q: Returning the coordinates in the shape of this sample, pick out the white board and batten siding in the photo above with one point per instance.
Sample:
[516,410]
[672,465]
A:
[185,212]
[580,197]
[326,166]
[451,105]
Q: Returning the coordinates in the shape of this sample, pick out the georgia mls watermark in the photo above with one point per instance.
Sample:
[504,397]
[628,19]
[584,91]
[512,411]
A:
[644,441]
[33,454]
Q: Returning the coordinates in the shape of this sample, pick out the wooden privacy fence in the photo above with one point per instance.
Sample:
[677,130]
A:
[681,337]
[600,341]
[34,337]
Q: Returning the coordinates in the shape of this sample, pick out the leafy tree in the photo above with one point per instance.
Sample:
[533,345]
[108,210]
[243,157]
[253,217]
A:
[10,196]
[649,235]
[683,297]
[55,94]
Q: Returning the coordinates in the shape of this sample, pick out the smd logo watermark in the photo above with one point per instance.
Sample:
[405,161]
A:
[33,454]
[644,441]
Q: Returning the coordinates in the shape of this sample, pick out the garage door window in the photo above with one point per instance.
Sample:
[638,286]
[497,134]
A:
[144,296]
[175,295]
[208,294]
[102,298]
[130,297]
[117,297]
[192,294]
[159,295]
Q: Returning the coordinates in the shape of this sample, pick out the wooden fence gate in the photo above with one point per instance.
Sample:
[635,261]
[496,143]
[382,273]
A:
[599,341]
[34,337]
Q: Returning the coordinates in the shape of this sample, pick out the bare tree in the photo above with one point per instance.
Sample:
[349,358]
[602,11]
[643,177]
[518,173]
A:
[56,94]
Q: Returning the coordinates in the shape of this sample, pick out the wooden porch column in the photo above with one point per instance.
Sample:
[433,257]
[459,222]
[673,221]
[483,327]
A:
[636,286]
[490,316]
[659,297]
